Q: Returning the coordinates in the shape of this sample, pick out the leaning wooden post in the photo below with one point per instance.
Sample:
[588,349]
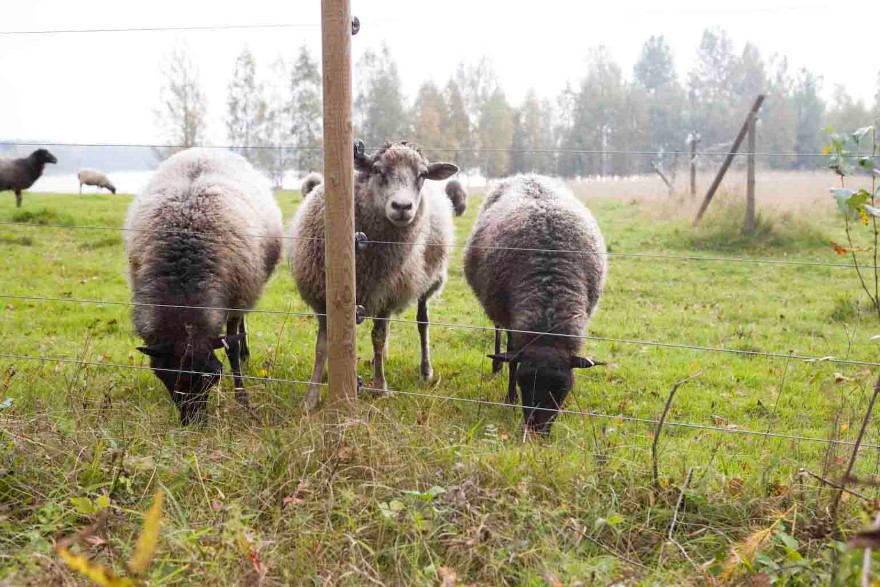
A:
[336,27]
[728,160]
[749,226]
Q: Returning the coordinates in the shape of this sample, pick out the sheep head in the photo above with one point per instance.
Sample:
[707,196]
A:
[544,375]
[44,156]
[395,176]
[189,370]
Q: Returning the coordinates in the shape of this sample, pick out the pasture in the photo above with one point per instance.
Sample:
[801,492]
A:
[421,490]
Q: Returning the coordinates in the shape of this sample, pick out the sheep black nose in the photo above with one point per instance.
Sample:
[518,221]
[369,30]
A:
[402,207]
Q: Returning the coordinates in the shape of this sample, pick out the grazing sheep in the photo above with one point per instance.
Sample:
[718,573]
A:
[526,286]
[19,174]
[310,182]
[203,236]
[457,195]
[96,178]
[405,221]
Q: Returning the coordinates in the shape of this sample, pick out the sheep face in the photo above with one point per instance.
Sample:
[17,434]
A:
[544,376]
[44,156]
[188,372]
[395,176]
[544,388]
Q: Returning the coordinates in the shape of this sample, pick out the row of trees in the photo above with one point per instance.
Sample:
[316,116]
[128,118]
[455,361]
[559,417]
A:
[605,123]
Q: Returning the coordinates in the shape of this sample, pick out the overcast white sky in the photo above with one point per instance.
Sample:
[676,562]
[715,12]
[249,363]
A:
[104,87]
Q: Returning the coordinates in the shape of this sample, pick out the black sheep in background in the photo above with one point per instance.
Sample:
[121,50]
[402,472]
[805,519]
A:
[17,175]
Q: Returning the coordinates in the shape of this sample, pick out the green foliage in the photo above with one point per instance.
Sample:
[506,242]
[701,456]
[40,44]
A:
[421,489]
[43,216]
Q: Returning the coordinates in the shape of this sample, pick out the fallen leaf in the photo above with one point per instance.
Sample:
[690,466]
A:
[145,547]
[257,562]
[94,571]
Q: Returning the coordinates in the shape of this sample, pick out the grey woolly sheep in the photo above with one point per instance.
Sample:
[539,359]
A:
[17,175]
[202,237]
[95,178]
[409,225]
[310,182]
[457,195]
[515,265]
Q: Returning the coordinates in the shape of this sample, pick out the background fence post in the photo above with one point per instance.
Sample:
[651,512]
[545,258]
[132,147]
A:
[728,159]
[750,175]
[339,261]
[694,140]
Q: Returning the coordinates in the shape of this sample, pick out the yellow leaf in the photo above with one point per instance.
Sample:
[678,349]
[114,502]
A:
[863,215]
[102,502]
[149,538]
[826,150]
[98,573]
[844,427]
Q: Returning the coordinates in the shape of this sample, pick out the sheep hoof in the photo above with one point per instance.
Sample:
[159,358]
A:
[426,373]
[241,396]
[496,366]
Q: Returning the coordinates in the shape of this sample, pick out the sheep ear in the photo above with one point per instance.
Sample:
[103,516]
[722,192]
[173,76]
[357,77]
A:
[584,363]
[503,357]
[438,171]
[157,350]
[363,163]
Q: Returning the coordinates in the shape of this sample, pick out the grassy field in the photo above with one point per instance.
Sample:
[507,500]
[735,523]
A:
[422,491]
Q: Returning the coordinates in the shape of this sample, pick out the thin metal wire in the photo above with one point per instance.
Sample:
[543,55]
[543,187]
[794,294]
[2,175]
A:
[68,360]
[220,27]
[373,149]
[661,344]
[147,305]
[619,417]
[695,258]
[673,345]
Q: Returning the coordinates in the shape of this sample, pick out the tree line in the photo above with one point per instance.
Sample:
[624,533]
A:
[604,123]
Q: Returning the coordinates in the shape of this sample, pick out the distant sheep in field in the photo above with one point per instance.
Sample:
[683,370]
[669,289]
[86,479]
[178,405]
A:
[95,178]
[392,205]
[17,175]
[203,237]
[514,264]
[457,195]
[310,182]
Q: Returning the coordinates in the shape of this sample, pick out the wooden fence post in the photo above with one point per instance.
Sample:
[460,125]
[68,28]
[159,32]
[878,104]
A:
[693,140]
[728,160]
[749,226]
[336,28]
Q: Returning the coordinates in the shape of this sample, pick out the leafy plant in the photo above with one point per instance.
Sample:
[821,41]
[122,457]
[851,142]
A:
[845,157]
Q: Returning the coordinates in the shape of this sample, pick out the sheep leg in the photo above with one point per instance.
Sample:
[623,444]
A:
[18,198]
[496,364]
[426,372]
[313,394]
[380,340]
[512,395]
[80,189]
[233,353]
[245,347]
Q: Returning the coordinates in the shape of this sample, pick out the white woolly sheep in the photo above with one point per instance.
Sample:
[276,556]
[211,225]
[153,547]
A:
[409,225]
[18,175]
[310,182]
[526,284]
[202,237]
[95,178]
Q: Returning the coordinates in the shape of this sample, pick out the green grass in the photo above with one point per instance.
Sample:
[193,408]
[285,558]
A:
[354,505]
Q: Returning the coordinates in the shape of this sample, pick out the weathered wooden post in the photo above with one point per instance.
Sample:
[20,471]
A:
[728,159]
[749,226]
[693,140]
[337,29]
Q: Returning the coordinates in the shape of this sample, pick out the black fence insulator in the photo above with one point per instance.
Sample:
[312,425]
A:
[360,314]
[355,26]
[360,241]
